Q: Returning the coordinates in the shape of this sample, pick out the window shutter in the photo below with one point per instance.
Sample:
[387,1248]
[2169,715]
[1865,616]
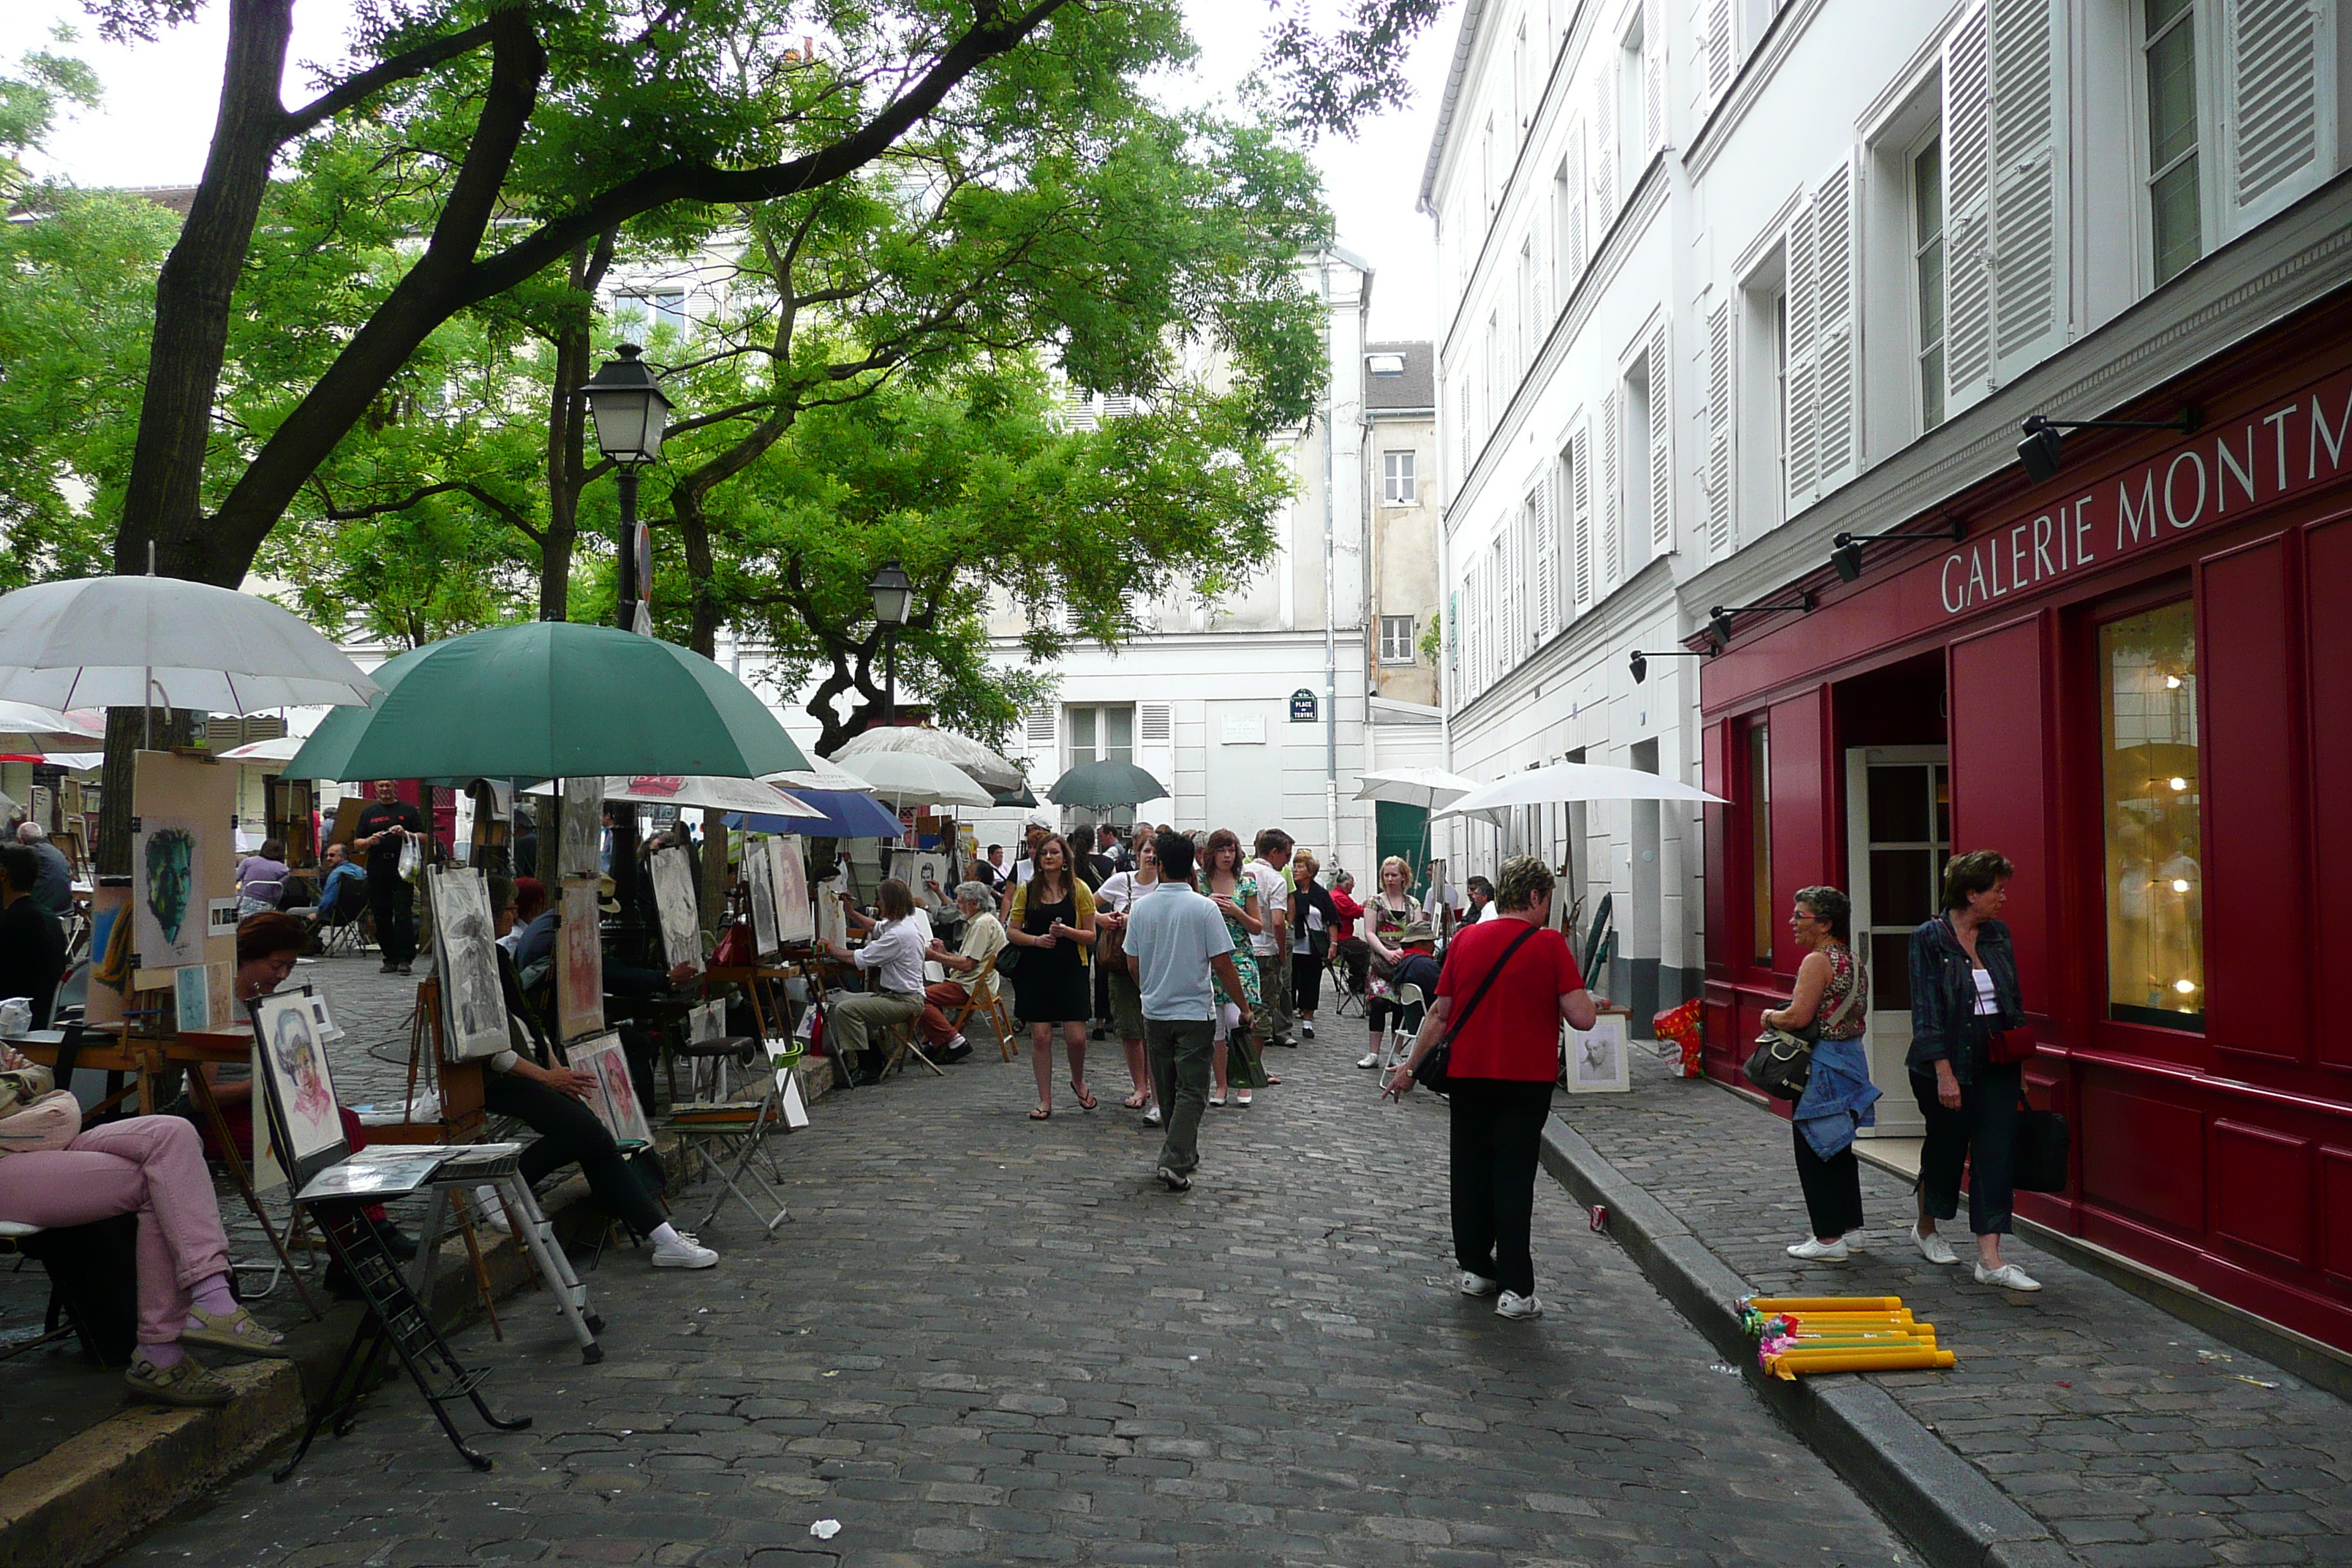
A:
[1572,260]
[1454,643]
[1662,433]
[2030,307]
[1719,48]
[1613,532]
[1510,594]
[1462,425]
[1653,78]
[1604,145]
[1155,724]
[1579,479]
[1037,727]
[1804,347]
[1546,552]
[1718,432]
[2279,113]
[1835,390]
[1968,211]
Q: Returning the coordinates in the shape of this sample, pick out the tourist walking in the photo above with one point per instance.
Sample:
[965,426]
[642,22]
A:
[1052,917]
[1507,984]
[1179,953]
[1237,898]
[1964,999]
[1312,917]
[1392,908]
[385,826]
[1832,993]
[1271,945]
[1115,903]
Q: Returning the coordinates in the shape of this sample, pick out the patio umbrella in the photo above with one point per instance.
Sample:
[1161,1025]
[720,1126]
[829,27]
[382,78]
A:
[135,641]
[279,750]
[832,814]
[1571,781]
[709,794]
[1016,799]
[1427,788]
[818,774]
[911,778]
[550,700]
[992,772]
[1102,784]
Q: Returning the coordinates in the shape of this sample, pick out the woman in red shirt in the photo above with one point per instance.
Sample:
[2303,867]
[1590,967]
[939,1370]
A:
[1504,1059]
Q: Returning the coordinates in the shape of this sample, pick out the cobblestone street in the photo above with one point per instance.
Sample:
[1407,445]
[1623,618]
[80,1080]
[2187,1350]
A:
[986,1340]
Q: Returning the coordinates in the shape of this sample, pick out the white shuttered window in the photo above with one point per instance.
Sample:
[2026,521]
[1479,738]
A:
[1580,504]
[1543,559]
[1662,468]
[1719,431]
[1612,492]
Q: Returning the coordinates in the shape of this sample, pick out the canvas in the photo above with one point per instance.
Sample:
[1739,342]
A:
[788,876]
[832,926]
[580,975]
[674,901]
[191,995]
[1597,1060]
[615,1101]
[759,888]
[297,1065]
[168,906]
[582,826]
[926,875]
[184,862]
[464,946]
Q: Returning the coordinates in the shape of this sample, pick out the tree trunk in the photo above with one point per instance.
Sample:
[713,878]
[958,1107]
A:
[702,636]
[567,427]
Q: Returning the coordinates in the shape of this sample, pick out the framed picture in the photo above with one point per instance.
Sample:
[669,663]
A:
[191,995]
[760,888]
[464,947]
[301,1088]
[788,877]
[580,976]
[615,1101]
[674,901]
[582,815]
[1596,1058]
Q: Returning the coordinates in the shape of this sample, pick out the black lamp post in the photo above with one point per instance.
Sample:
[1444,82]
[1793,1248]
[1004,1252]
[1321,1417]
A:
[894,596]
[630,414]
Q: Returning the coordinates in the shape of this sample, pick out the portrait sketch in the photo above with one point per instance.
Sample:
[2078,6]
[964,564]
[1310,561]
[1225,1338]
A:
[464,942]
[191,995]
[303,1087]
[1597,1062]
[615,1101]
[759,888]
[788,876]
[580,975]
[830,924]
[673,901]
[582,826]
[168,912]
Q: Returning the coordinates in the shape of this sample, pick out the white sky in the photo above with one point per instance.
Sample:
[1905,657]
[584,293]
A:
[156,121]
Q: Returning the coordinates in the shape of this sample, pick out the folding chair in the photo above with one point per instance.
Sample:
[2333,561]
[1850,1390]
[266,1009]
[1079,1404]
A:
[1335,971]
[992,1007]
[746,1124]
[1407,999]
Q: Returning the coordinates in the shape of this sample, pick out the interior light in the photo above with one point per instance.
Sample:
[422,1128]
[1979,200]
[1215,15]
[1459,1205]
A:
[2181,884]
[2177,782]
[2172,683]
[2184,986]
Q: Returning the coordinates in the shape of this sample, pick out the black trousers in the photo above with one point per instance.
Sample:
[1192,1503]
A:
[394,904]
[1498,1136]
[1305,983]
[1982,1136]
[1833,1187]
[569,1133]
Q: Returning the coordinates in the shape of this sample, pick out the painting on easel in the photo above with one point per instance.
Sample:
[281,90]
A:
[674,901]
[580,976]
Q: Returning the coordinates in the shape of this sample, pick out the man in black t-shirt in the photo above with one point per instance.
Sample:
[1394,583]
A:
[384,825]
[32,943]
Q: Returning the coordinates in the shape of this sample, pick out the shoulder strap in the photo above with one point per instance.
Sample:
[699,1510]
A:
[1480,995]
[1853,995]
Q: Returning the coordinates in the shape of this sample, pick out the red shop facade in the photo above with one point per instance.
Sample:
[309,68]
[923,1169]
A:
[2135,681]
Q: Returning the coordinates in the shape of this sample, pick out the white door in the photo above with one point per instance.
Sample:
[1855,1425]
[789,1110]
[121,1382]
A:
[1898,814]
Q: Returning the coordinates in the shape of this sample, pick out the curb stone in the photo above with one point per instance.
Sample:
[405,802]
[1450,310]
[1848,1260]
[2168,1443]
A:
[1941,1502]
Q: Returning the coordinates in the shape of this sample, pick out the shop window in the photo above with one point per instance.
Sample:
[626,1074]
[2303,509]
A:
[1763,919]
[2155,877]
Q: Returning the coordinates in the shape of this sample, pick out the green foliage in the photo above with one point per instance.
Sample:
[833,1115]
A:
[1433,641]
[31,96]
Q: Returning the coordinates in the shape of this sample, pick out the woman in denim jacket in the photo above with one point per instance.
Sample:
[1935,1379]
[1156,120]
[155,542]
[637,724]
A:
[1963,992]
[1833,994]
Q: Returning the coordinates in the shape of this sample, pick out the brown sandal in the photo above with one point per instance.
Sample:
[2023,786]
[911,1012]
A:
[1086,1101]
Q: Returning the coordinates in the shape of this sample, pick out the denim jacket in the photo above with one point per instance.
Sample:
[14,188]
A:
[1944,1022]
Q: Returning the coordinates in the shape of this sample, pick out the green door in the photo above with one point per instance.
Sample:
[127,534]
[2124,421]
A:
[1398,830]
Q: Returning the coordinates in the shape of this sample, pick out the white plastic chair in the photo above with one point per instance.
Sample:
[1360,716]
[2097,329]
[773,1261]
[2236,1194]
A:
[1404,999]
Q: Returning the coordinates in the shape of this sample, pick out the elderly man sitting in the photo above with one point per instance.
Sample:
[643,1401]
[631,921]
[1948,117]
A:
[983,939]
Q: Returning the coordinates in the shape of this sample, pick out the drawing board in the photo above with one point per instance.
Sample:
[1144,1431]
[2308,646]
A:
[614,1101]
[183,864]
[758,888]
[580,976]
[674,901]
[301,1086]
[788,879]
[464,947]
[582,826]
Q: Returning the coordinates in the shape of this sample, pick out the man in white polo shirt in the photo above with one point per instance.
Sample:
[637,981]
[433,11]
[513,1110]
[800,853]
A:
[1180,955]
[1271,946]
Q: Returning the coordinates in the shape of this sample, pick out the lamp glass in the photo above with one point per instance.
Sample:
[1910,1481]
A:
[2040,452]
[893,594]
[628,409]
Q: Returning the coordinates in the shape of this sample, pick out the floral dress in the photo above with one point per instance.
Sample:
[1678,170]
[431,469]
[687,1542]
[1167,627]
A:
[1245,890]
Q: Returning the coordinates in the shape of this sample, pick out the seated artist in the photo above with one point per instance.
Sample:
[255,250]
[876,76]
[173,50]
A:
[1417,965]
[894,955]
[983,939]
[551,1100]
[32,942]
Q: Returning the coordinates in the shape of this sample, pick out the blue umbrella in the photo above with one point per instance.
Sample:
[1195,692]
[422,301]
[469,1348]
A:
[841,813]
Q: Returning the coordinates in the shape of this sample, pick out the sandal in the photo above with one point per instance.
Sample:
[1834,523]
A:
[1135,1101]
[1043,1113]
[1086,1101]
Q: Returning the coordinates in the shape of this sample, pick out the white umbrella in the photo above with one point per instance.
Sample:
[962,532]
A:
[901,779]
[996,774]
[31,719]
[1424,787]
[709,793]
[1574,781]
[134,642]
[280,750]
[819,774]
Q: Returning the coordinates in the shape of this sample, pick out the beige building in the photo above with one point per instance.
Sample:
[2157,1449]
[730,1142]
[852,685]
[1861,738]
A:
[1400,486]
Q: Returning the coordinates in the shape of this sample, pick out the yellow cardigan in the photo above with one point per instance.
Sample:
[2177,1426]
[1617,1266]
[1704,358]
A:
[1086,902]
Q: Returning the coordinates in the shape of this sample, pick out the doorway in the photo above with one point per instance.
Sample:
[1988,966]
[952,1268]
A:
[1898,814]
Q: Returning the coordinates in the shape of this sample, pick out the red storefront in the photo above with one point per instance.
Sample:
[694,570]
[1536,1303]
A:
[2136,681]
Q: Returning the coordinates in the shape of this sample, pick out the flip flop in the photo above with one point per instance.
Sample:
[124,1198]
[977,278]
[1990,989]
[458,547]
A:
[1045,1115]
[1135,1101]
[1086,1101]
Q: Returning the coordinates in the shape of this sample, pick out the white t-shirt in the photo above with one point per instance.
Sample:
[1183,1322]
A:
[1120,889]
[1302,939]
[1273,900]
[1987,1003]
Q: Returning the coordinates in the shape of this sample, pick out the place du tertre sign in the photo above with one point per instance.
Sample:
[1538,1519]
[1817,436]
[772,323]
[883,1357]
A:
[2220,471]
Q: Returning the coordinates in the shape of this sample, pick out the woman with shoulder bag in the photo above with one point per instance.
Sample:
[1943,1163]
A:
[1508,982]
[1832,997]
[1968,1047]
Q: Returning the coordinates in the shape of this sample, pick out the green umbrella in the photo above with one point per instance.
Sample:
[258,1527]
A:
[550,700]
[1104,785]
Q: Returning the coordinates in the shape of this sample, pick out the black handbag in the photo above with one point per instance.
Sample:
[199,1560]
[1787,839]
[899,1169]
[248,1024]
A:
[1781,1065]
[1432,1074]
[2039,1160]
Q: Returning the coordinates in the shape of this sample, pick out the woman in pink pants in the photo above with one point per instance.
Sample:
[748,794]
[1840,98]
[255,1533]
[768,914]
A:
[152,1166]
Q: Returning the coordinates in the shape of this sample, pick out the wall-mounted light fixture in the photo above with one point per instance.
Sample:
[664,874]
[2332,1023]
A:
[1718,619]
[1845,549]
[1639,660]
[2042,446]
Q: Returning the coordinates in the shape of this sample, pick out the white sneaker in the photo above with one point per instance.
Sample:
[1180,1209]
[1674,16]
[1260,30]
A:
[1932,1246]
[1151,1115]
[1477,1285]
[1242,1099]
[1813,1247]
[684,1253]
[1369,1060]
[2008,1276]
[1510,1304]
[1306,1028]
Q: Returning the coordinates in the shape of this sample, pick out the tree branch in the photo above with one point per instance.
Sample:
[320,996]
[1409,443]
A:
[416,63]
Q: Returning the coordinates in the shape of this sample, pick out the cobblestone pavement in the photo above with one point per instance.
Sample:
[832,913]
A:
[2139,1440]
[987,1340]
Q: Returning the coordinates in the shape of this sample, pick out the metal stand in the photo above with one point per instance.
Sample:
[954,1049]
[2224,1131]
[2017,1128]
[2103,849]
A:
[530,1227]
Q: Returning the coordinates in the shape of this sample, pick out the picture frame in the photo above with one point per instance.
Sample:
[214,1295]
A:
[466,956]
[706,1022]
[788,879]
[192,997]
[299,1086]
[760,891]
[614,1101]
[679,910]
[580,971]
[1597,1060]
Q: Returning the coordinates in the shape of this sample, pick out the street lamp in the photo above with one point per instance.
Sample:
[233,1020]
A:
[894,596]
[630,413]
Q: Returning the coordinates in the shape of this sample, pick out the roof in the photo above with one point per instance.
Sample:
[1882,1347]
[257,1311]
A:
[178,199]
[1455,77]
[1415,390]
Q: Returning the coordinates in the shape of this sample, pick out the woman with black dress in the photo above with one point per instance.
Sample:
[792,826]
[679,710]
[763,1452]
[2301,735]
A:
[1053,919]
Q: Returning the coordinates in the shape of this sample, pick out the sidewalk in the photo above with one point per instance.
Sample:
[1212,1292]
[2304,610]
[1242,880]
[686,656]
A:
[2124,1435]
